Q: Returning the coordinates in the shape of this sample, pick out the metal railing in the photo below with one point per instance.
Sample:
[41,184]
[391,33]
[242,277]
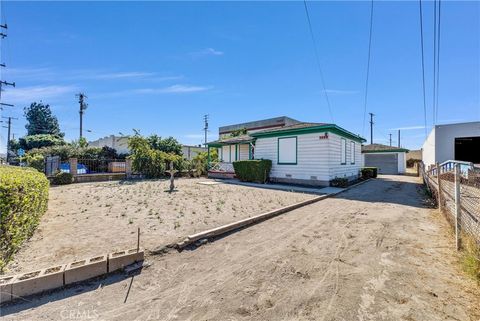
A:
[96,166]
[456,189]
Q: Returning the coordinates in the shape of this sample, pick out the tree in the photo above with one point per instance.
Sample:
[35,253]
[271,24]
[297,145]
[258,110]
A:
[168,145]
[41,120]
[38,141]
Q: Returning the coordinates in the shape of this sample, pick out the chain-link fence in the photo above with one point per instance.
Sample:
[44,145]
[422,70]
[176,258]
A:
[456,189]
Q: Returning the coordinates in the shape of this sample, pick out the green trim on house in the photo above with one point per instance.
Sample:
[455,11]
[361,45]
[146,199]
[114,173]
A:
[236,152]
[343,142]
[249,151]
[296,150]
[396,150]
[308,130]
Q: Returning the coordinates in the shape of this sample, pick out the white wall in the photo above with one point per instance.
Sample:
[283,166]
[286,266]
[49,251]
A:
[243,152]
[440,144]
[119,143]
[317,159]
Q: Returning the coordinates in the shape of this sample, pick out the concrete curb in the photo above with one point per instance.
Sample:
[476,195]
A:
[16,286]
[255,219]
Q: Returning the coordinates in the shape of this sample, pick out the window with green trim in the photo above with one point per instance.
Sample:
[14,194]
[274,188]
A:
[344,151]
[352,152]
[287,150]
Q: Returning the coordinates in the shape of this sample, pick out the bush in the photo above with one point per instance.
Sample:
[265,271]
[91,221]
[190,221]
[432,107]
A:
[24,198]
[39,141]
[62,178]
[339,182]
[253,170]
[412,161]
[36,161]
[200,161]
[369,172]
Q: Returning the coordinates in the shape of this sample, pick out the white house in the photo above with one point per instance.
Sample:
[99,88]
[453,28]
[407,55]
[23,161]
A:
[387,159]
[459,141]
[301,153]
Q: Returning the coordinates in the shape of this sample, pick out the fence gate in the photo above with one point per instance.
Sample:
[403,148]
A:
[52,165]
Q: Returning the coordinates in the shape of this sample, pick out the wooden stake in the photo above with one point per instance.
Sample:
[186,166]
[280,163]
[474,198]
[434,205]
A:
[458,210]
[138,240]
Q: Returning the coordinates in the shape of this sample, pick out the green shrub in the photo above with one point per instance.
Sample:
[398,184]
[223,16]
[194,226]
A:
[200,161]
[62,178]
[23,200]
[369,172]
[339,182]
[253,170]
[412,161]
[39,141]
[36,161]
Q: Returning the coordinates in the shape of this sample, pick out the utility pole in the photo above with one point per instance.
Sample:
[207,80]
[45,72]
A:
[371,127]
[8,135]
[205,128]
[83,107]
[399,138]
[2,82]
[390,139]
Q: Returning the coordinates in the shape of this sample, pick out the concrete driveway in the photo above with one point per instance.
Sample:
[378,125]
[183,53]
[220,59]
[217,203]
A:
[375,252]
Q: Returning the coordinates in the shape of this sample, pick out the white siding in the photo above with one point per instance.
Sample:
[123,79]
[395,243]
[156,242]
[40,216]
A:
[243,151]
[226,154]
[317,159]
[428,149]
[336,169]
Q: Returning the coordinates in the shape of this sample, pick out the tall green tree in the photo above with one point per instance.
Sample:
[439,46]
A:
[168,145]
[40,120]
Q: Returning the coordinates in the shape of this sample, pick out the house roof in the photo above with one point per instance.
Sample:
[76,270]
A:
[259,124]
[306,128]
[231,140]
[379,148]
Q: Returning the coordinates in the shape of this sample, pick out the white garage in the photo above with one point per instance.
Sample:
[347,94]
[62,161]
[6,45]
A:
[388,159]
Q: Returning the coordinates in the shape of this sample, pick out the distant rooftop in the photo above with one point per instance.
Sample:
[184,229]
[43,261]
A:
[377,148]
[259,124]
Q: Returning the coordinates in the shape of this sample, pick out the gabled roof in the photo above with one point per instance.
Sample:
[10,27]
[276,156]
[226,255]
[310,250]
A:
[231,140]
[306,128]
[380,148]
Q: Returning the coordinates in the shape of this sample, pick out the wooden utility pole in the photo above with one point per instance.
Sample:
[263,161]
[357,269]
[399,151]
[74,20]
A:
[9,128]
[390,139]
[371,127]
[205,127]
[399,138]
[83,107]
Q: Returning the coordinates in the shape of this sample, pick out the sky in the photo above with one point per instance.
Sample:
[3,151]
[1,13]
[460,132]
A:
[158,67]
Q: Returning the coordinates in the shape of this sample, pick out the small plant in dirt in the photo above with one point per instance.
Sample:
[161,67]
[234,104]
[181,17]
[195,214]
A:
[339,182]
[176,225]
[62,178]
[471,257]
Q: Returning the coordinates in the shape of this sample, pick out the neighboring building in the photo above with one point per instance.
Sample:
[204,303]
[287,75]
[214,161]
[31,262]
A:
[387,159]
[120,143]
[301,153]
[414,154]
[190,152]
[459,142]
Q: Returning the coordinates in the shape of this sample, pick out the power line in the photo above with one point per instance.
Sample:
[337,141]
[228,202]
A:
[438,60]
[368,68]
[318,60]
[423,67]
[434,56]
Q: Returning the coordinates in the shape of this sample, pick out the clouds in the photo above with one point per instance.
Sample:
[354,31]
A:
[36,93]
[206,52]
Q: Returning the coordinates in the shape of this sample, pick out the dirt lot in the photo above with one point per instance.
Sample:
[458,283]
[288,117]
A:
[373,253]
[84,220]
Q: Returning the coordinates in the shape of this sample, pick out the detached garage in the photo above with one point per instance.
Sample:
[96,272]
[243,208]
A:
[388,159]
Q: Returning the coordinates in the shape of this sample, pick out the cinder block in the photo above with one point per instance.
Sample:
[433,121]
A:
[38,281]
[119,260]
[6,288]
[86,269]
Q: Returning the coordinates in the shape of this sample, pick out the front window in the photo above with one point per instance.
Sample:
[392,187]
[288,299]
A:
[287,150]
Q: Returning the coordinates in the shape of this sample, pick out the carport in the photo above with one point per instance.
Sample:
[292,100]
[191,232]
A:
[388,159]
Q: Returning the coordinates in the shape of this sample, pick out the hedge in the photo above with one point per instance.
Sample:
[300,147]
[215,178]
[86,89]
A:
[62,178]
[23,200]
[369,172]
[253,170]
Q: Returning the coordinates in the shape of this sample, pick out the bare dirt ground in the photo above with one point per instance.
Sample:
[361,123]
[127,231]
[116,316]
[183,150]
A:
[84,220]
[372,253]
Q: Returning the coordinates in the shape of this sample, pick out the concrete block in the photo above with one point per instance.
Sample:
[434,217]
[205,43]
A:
[86,269]
[38,281]
[6,288]
[121,259]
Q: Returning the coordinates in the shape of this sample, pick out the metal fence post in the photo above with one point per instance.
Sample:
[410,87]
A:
[439,193]
[458,210]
